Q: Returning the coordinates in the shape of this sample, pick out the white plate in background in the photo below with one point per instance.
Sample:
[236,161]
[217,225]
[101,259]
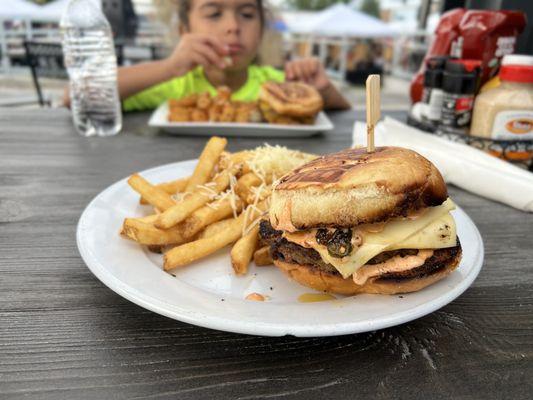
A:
[159,119]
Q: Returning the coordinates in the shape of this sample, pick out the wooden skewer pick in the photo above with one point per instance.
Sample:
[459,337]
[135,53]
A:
[372,109]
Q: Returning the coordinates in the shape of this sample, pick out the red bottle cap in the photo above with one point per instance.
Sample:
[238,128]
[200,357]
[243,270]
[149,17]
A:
[516,73]
[469,65]
[517,68]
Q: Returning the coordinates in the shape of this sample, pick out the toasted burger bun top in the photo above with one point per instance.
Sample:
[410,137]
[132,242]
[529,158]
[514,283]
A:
[294,99]
[353,187]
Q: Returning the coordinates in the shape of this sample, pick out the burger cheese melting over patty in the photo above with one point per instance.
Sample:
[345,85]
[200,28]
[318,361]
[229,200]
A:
[432,229]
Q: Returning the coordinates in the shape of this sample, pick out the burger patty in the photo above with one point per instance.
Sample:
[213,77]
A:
[284,250]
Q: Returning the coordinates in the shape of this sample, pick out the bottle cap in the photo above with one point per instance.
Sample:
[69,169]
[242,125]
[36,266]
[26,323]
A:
[517,68]
[461,76]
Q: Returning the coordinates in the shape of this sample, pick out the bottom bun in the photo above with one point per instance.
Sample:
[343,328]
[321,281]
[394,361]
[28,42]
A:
[332,283]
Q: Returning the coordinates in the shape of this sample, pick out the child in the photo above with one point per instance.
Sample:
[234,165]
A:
[219,41]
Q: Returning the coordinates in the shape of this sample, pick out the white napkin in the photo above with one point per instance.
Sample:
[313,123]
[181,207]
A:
[459,164]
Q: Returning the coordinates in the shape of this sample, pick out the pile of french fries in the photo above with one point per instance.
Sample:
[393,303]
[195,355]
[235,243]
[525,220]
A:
[220,204]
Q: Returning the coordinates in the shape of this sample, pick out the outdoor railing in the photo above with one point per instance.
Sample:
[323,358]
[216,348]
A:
[406,52]
[143,47]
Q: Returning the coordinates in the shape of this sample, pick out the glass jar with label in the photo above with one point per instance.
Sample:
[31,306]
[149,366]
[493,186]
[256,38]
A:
[432,94]
[459,84]
[506,112]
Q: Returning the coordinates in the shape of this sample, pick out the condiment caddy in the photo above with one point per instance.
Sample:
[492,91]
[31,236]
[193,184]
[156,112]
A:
[498,120]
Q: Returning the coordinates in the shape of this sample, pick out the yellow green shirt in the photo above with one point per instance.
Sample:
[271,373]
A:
[195,82]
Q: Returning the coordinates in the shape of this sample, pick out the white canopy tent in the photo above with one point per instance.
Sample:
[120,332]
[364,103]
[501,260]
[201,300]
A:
[26,10]
[17,10]
[342,22]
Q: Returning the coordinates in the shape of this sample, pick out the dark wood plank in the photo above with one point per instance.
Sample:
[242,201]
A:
[64,335]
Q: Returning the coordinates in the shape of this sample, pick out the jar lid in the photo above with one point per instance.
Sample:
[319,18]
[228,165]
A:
[461,76]
[517,73]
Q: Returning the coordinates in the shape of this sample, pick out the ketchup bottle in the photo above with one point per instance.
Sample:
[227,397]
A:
[446,32]
[483,35]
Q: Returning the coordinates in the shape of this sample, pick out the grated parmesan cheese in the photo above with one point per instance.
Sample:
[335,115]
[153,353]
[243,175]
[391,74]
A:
[232,195]
[267,162]
[180,196]
[208,191]
[252,225]
[273,161]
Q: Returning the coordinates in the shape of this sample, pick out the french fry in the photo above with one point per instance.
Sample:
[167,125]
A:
[204,101]
[228,113]
[149,219]
[198,115]
[215,228]
[262,257]
[189,252]
[246,168]
[264,192]
[199,198]
[243,250]
[179,114]
[240,157]
[208,215]
[223,94]
[224,161]
[143,232]
[153,195]
[206,162]
[175,186]
[245,183]
[171,187]
[189,101]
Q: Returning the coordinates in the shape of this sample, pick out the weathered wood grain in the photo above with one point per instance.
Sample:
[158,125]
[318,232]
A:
[64,335]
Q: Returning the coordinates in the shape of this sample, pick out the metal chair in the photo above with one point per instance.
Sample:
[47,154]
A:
[44,60]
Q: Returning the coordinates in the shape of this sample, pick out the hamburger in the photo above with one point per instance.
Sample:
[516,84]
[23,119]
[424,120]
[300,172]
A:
[289,102]
[356,222]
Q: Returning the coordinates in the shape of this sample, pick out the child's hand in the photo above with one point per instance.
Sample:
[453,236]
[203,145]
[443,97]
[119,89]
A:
[197,49]
[308,70]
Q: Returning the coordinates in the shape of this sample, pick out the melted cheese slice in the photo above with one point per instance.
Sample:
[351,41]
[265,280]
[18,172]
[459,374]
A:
[434,229]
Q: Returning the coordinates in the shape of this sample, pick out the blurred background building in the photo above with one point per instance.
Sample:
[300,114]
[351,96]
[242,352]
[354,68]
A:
[352,38]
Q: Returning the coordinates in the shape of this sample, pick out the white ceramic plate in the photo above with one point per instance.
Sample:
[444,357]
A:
[208,294]
[159,119]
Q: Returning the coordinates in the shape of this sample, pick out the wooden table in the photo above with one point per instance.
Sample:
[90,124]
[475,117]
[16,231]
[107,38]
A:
[64,335]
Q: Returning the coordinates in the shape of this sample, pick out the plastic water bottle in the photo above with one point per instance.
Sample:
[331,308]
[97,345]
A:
[91,63]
